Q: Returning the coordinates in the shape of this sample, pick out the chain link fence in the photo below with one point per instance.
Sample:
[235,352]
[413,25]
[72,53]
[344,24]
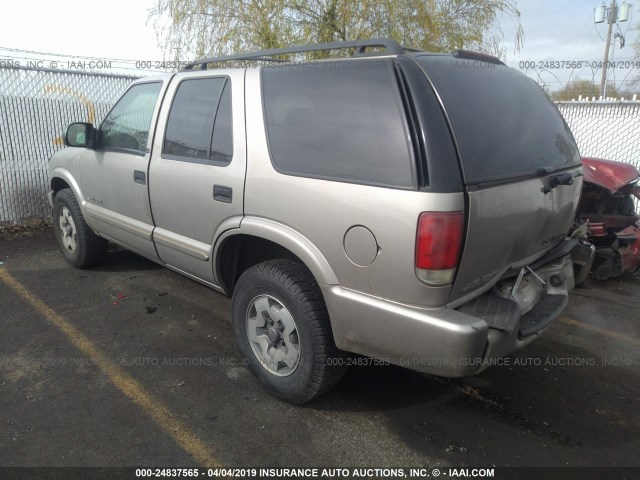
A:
[605,129]
[36,106]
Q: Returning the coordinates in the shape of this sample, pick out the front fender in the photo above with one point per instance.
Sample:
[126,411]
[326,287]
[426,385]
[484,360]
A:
[69,179]
[62,165]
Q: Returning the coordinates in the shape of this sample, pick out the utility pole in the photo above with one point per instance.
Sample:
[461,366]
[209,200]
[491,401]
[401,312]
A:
[612,16]
[611,19]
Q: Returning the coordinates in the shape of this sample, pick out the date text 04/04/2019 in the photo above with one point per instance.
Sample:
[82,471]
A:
[278,472]
[247,473]
[578,64]
[271,472]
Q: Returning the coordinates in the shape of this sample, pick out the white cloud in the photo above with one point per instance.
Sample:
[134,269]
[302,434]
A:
[114,29]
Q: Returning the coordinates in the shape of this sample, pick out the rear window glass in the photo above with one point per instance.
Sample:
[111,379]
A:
[339,121]
[505,124]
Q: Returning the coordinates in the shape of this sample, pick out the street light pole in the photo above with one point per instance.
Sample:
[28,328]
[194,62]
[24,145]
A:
[611,18]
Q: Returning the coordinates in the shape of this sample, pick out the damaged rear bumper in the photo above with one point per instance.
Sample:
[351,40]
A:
[518,310]
[460,342]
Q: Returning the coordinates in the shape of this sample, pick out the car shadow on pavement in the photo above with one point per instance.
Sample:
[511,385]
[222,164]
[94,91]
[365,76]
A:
[557,412]
[121,260]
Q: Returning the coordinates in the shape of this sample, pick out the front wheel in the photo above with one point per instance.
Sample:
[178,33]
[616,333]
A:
[281,325]
[80,246]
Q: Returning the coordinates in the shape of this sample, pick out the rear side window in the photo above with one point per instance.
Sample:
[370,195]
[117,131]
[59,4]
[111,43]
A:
[199,126]
[339,121]
[505,124]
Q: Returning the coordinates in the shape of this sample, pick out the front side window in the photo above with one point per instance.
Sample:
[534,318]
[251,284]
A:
[127,125]
[199,126]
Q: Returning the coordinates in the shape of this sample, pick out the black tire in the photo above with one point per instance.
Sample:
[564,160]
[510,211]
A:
[288,284]
[79,245]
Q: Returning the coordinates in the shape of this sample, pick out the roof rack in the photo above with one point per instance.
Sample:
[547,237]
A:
[391,47]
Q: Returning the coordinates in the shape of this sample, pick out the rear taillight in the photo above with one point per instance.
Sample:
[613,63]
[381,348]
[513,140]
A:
[438,242]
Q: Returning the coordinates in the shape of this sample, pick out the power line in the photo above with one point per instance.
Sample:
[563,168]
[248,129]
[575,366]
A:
[38,56]
[19,50]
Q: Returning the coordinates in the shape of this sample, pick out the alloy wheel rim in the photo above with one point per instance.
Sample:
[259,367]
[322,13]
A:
[68,232]
[273,335]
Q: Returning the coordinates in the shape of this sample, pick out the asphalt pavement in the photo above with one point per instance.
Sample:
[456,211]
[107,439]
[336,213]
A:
[130,364]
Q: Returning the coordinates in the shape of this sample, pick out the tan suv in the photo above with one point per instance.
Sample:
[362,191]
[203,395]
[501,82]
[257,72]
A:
[406,206]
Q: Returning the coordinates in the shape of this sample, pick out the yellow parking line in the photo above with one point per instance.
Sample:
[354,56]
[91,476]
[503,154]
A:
[603,331]
[162,416]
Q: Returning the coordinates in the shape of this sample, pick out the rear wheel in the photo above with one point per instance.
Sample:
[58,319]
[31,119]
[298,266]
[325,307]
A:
[281,325]
[79,245]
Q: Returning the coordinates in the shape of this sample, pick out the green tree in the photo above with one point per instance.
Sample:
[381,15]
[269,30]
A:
[197,28]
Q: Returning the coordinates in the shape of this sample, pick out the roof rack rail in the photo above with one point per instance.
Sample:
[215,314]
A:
[391,47]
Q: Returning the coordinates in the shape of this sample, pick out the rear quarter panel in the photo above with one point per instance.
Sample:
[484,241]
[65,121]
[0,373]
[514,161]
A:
[323,211]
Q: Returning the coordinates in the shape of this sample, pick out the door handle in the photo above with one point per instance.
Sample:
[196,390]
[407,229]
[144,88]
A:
[222,194]
[139,177]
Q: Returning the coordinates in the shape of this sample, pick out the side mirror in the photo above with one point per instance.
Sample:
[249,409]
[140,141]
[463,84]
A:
[80,135]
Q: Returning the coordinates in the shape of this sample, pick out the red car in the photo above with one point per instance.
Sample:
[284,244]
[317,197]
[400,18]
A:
[607,204]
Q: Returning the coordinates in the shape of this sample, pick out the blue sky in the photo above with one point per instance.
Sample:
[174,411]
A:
[564,30]
[555,30]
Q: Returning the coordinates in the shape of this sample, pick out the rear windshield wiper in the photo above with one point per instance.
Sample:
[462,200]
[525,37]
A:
[564,178]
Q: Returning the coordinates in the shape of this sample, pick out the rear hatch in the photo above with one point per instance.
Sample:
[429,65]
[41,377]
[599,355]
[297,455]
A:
[520,164]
